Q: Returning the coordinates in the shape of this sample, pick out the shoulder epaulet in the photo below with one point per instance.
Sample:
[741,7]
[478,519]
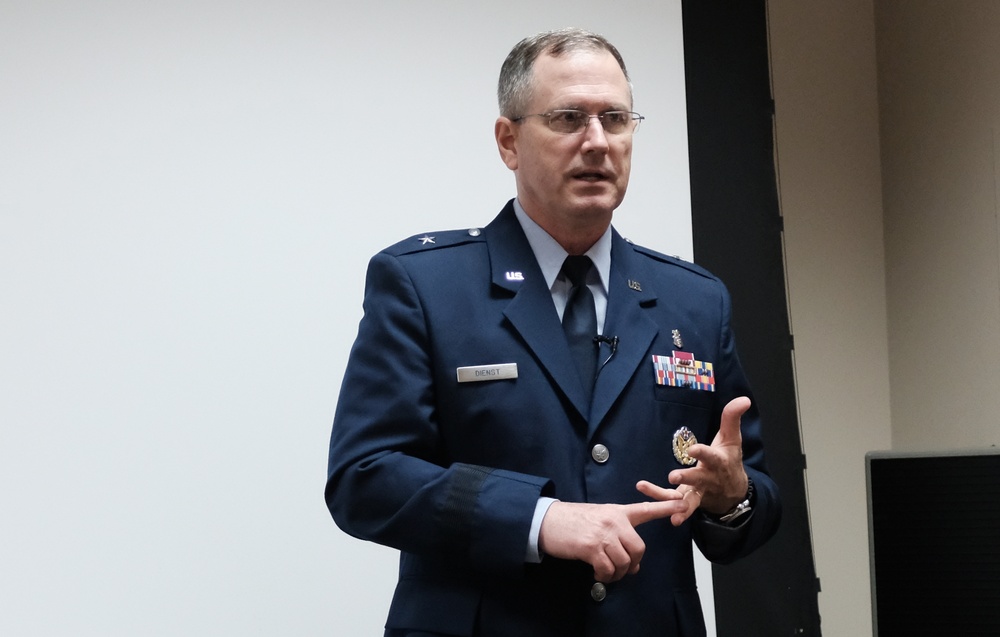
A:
[435,241]
[672,260]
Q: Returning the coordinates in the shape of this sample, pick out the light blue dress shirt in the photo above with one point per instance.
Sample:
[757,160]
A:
[550,256]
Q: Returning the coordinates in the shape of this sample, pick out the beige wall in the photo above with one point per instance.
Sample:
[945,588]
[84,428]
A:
[826,118]
[939,90]
[887,132]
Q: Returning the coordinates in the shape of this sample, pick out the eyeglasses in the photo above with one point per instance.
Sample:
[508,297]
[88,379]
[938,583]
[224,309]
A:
[569,121]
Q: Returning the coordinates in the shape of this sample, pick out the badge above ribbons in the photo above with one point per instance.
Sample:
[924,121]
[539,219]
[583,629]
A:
[682,370]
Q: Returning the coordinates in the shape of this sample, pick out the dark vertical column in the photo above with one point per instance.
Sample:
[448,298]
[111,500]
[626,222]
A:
[737,235]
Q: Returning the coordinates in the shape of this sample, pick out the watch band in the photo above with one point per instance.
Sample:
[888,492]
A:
[730,517]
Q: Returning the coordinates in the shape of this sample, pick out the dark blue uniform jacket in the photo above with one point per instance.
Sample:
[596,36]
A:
[449,472]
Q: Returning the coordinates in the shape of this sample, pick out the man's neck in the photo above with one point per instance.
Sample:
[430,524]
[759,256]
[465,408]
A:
[574,238]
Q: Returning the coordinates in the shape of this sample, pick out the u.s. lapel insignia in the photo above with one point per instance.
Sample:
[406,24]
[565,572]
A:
[678,341]
[634,285]
[683,439]
[514,276]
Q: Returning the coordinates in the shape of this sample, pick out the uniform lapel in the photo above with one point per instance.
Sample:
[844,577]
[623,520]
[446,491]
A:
[627,320]
[531,311]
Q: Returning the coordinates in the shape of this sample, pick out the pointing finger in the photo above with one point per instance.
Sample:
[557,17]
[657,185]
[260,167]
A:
[642,512]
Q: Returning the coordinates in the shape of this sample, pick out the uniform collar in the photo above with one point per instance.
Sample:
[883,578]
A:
[550,255]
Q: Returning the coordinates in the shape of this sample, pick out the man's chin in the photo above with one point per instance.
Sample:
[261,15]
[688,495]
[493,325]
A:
[598,206]
[593,213]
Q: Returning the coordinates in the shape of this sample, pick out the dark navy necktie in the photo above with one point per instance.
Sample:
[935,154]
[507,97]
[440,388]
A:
[580,320]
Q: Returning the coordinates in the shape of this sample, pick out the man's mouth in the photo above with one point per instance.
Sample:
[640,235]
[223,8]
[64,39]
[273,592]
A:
[590,176]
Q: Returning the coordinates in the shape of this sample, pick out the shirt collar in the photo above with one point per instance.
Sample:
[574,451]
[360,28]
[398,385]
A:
[550,255]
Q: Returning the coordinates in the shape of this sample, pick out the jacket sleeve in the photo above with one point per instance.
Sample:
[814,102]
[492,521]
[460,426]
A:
[389,478]
[718,542]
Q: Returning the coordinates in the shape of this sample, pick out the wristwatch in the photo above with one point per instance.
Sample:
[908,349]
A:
[730,517]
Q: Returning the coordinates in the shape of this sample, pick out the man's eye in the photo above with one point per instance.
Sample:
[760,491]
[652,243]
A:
[616,118]
[567,118]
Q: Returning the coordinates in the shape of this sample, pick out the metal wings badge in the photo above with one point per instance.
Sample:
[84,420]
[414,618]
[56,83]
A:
[683,439]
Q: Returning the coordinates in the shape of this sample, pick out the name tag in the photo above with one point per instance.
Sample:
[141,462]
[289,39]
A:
[487,372]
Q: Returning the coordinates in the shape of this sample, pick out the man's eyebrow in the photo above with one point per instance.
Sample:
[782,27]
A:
[582,109]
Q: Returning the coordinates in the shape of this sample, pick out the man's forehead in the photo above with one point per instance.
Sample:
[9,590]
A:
[583,73]
[578,57]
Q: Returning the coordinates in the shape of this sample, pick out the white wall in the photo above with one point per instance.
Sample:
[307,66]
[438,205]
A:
[189,193]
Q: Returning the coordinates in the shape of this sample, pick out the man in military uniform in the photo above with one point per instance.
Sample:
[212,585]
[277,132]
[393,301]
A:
[534,410]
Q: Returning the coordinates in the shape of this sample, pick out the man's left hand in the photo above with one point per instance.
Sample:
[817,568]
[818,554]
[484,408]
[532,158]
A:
[718,481]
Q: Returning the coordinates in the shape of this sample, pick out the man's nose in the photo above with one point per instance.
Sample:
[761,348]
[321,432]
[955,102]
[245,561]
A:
[594,134]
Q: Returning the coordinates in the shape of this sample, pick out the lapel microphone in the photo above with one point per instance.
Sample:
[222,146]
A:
[611,341]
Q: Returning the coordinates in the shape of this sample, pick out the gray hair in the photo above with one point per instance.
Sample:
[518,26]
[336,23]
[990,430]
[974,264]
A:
[514,88]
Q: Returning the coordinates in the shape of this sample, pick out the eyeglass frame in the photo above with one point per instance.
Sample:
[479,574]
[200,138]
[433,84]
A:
[635,117]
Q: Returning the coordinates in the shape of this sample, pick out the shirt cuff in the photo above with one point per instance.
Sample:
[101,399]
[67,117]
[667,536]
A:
[533,555]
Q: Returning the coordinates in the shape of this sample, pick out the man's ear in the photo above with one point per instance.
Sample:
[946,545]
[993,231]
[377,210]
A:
[506,133]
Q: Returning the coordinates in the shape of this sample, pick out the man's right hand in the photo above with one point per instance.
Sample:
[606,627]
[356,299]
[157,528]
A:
[603,535]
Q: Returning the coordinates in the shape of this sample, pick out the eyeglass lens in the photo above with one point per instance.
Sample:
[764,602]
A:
[573,121]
